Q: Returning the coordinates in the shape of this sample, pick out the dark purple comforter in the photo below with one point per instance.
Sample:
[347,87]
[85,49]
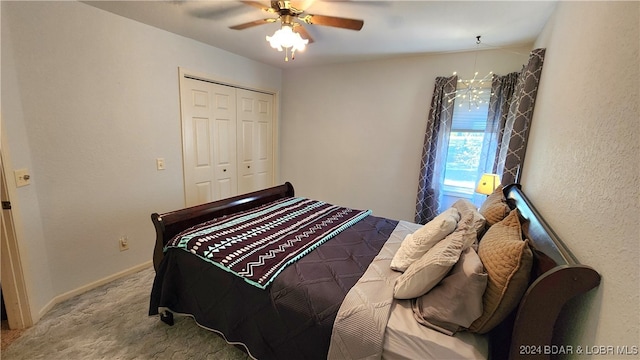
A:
[290,319]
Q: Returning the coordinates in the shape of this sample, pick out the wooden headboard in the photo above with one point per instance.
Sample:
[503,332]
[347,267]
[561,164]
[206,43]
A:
[170,224]
[556,277]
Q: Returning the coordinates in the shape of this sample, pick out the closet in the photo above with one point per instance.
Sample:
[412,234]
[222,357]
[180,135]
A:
[227,140]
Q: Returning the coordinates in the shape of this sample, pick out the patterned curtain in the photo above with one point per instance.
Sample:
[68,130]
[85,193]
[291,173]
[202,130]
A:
[516,129]
[436,141]
[502,91]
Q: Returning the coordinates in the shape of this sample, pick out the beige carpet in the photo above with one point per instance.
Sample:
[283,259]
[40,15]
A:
[111,322]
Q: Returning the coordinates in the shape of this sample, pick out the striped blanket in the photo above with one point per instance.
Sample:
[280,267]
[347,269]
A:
[259,243]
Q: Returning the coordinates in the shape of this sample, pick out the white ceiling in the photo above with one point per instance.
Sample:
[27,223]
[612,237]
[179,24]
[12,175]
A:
[391,28]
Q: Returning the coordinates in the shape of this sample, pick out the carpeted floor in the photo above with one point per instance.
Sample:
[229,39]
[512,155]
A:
[111,322]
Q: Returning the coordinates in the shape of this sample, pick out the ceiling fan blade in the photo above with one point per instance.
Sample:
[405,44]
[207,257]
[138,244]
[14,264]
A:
[258,5]
[252,24]
[301,5]
[339,22]
[303,32]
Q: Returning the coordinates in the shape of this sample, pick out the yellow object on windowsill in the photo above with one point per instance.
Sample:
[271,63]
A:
[488,183]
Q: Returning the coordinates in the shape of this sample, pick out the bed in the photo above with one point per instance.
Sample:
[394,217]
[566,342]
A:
[300,313]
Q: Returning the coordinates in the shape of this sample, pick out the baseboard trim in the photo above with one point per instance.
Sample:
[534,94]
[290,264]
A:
[83,289]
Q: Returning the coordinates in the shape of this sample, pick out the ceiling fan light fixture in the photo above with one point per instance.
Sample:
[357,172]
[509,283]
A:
[285,38]
[289,38]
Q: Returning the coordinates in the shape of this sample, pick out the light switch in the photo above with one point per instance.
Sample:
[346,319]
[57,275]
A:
[160,163]
[22,177]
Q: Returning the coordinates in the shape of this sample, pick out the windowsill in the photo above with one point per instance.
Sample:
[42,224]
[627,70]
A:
[457,192]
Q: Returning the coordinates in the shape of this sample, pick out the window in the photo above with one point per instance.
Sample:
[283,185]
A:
[465,146]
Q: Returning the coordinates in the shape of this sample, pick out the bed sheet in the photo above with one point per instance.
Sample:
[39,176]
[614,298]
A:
[405,338]
[371,324]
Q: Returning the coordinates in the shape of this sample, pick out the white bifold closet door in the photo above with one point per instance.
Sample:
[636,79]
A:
[227,140]
[255,140]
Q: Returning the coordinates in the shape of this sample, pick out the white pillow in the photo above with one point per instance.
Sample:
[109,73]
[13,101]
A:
[417,244]
[422,275]
[465,207]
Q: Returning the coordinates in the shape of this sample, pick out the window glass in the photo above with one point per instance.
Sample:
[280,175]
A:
[463,159]
[465,145]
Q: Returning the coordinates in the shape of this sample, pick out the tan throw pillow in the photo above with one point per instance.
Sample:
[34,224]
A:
[423,274]
[456,301]
[507,260]
[495,207]
[417,244]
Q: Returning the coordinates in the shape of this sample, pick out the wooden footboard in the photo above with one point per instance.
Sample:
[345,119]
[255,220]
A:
[171,223]
[556,278]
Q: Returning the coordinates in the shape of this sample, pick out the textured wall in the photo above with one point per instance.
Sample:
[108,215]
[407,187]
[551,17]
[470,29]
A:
[352,133]
[582,163]
[94,99]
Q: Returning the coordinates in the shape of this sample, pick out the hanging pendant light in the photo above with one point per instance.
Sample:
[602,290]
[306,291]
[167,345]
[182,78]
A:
[471,92]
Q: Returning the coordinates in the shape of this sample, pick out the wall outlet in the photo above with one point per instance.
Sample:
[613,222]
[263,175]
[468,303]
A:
[123,242]
[160,163]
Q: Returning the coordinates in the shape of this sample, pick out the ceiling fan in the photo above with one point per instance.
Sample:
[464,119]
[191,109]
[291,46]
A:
[292,35]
